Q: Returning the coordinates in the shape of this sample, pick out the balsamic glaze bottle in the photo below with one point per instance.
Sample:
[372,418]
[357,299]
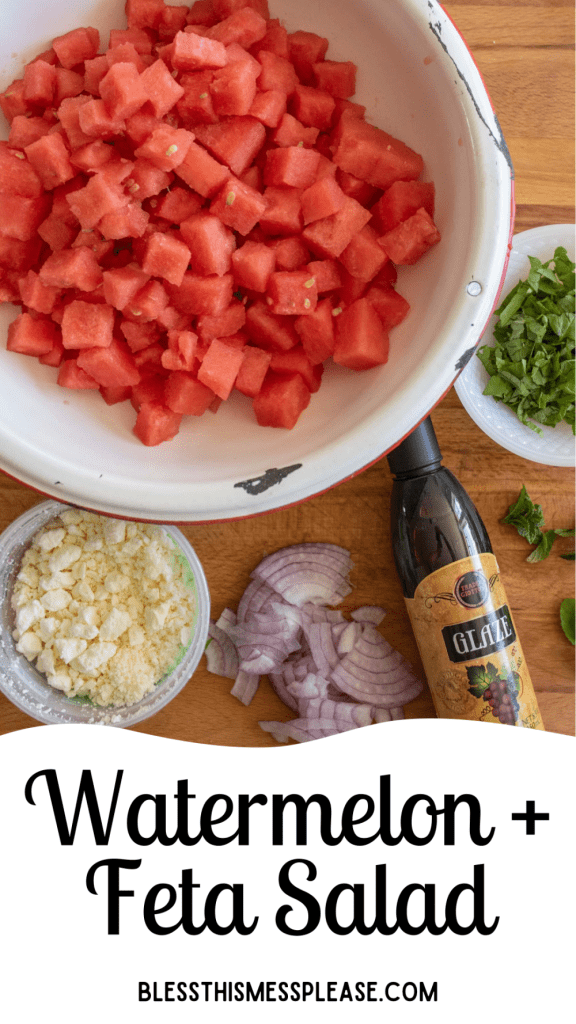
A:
[456,601]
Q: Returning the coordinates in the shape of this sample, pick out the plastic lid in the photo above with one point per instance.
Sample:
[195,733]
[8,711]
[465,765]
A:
[418,454]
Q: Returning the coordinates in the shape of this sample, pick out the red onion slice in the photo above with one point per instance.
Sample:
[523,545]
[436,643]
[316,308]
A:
[369,613]
[221,654]
[245,687]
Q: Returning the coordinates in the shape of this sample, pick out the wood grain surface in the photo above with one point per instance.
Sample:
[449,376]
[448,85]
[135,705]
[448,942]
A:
[525,53]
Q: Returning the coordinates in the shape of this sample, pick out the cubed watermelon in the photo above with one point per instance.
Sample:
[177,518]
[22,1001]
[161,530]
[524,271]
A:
[283,213]
[161,89]
[234,141]
[72,268]
[31,337]
[22,217]
[224,324]
[268,107]
[390,306]
[76,46]
[220,368]
[233,89]
[361,341]
[155,423]
[87,325]
[408,241]
[197,295]
[166,257]
[401,201]
[322,199]
[51,160]
[244,26]
[121,284]
[166,147]
[336,77]
[17,176]
[374,156]
[36,295]
[316,331]
[330,236]
[196,53]
[39,84]
[291,132]
[252,265]
[210,244]
[239,206]
[201,172]
[269,331]
[253,369]
[186,395]
[73,376]
[112,366]
[294,166]
[290,253]
[281,400]
[293,293]
[362,257]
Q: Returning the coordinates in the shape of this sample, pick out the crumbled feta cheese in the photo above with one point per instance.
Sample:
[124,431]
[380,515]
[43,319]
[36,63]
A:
[29,645]
[103,607]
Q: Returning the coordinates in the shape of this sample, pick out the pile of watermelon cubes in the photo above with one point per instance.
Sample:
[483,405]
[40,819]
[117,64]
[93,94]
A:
[202,209]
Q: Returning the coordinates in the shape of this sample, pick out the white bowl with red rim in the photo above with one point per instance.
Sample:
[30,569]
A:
[420,83]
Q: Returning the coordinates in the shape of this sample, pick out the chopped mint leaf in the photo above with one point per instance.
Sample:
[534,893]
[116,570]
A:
[567,618]
[531,366]
[527,517]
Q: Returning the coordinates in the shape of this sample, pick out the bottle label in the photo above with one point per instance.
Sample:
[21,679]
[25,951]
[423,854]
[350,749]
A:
[469,646]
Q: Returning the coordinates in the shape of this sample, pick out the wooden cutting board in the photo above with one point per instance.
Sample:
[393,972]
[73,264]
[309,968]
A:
[525,53]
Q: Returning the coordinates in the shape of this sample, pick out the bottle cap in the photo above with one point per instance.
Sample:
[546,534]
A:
[418,454]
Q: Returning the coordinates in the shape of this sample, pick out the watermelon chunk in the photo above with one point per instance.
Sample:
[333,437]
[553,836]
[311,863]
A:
[361,341]
[239,206]
[233,88]
[362,257]
[17,176]
[296,361]
[73,376]
[401,201]
[390,306]
[197,295]
[235,141]
[253,369]
[210,244]
[72,268]
[293,293]
[39,84]
[317,332]
[196,53]
[166,257]
[281,400]
[166,147]
[268,330]
[22,217]
[112,366]
[336,77]
[31,337]
[36,295]
[184,394]
[410,239]
[252,265]
[220,368]
[293,165]
[50,159]
[290,253]
[76,46]
[322,199]
[244,26]
[201,172]
[330,236]
[374,156]
[155,423]
[161,89]
[283,213]
[268,107]
[121,284]
[291,132]
[87,325]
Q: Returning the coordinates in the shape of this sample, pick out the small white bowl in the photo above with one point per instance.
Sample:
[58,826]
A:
[28,689]
[555,446]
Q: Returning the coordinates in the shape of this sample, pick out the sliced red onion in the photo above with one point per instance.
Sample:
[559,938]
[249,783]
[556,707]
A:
[322,647]
[369,613]
[281,690]
[335,674]
[397,714]
[221,654]
[349,637]
[245,687]
[256,595]
[303,730]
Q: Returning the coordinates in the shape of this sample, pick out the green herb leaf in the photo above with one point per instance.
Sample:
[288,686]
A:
[527,517]
[567,618]
[570,557]
[544,548]
[531,365]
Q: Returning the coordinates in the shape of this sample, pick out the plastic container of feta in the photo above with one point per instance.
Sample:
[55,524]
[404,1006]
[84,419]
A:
[22,684]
